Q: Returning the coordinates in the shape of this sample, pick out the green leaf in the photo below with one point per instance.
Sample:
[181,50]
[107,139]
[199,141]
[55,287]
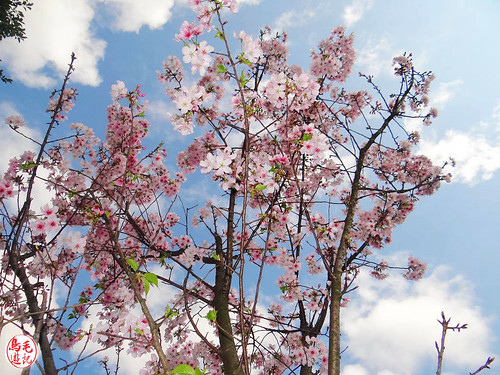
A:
[212,315]
[216,256]
[169,313]
[243,78]
[139,331]
[283,289]
[152,278]
[27,165]
[133,264]
[183,370]
[219,34]
[222,68]
[307,137]
[260,187]
[82,299]
[147,285]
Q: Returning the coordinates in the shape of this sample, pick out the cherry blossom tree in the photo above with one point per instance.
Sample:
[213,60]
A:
[312,179]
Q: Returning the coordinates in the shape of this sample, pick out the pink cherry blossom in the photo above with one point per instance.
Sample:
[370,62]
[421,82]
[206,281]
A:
[188,31]
[118,91]
[198,55]
[416,269]
[15,121]
[38,227]
[251,48]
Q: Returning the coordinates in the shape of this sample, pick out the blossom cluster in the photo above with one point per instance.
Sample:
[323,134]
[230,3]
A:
[416,269]
[335,57]
[15,121]
[198,55]
[252,50]
[62,102]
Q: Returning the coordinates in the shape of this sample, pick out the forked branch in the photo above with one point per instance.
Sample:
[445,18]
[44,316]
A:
[445,323]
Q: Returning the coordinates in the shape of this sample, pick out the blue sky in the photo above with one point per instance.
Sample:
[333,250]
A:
[390,326]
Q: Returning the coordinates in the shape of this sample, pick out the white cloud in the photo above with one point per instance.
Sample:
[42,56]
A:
[354,370]
[476,157]
[131,15]
[413,125]
[439,98]
[54,29]
[444,93]
[396,319]
[496,116]
[160,110]
[376,57]
[294,18]
[353,13]
[250,2]
[13,144]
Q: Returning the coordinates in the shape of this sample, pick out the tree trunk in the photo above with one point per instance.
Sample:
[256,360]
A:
[37,314]
[228,353]
[306,370]
[223,278]
[334,338]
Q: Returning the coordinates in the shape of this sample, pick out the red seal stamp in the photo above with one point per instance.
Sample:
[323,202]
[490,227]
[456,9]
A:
[21,351]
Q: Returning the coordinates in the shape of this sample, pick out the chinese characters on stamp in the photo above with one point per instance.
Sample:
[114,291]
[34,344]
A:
[21,351]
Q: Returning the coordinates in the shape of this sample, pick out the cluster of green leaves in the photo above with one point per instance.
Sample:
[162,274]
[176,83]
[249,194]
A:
[12,23]
[28,165]
[170,313]
[82,300]
[12,18]
[147,278]
[257,188]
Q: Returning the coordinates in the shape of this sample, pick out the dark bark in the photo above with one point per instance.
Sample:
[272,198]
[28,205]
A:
[37,315]
[228,352]
[223,277]
[306,370]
